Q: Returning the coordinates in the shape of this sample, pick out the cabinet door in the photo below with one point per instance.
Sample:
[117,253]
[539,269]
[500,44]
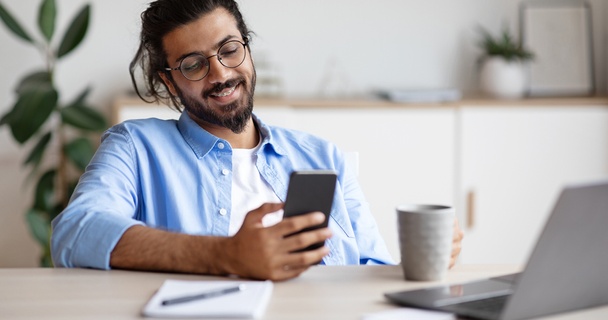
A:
[406,155]
[514,162]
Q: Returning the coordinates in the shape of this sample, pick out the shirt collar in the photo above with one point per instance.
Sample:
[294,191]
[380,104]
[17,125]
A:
[267,138]
[201,141]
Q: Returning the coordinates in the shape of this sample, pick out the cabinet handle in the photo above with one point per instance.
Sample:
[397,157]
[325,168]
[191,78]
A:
[471,209]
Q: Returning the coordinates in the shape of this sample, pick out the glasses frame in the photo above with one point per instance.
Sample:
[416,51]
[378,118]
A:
[245,44]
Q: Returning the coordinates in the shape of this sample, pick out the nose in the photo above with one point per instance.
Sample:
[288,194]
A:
[218,73]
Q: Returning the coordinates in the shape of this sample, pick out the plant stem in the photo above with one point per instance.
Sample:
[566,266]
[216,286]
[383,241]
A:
[62,171]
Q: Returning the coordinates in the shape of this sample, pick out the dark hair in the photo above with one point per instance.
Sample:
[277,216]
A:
[162,17]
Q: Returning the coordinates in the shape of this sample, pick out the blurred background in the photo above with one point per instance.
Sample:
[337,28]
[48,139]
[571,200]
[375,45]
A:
[315,48]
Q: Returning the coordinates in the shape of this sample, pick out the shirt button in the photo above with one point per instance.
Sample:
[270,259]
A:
[223,211]
[220,145]
[225,172]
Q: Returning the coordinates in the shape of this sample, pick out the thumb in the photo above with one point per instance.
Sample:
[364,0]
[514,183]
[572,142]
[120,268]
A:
[255,216]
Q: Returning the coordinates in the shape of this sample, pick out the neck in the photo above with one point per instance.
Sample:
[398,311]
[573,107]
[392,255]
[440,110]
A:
[247,139]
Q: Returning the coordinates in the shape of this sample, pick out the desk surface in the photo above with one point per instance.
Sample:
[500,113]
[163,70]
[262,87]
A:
[345,292]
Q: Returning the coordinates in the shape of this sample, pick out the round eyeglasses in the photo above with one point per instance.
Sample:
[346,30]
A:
[195,66]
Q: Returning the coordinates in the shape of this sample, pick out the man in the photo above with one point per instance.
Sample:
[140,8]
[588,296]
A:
[203,194]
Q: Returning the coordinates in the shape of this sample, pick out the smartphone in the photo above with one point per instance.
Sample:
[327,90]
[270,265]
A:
[309,191]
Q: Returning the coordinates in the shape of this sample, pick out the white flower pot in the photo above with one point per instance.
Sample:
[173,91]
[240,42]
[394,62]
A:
[503,79]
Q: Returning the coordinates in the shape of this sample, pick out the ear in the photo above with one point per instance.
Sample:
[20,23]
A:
[169,83]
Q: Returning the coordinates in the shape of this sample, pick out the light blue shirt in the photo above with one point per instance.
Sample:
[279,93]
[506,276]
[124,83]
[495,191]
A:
[171,175]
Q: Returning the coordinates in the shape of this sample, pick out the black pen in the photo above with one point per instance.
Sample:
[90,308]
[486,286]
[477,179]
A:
[204,295]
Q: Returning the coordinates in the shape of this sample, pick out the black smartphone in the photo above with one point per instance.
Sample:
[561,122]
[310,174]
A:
[308,191]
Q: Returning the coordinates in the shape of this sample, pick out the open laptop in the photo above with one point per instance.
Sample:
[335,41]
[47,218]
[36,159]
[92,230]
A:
[567,270]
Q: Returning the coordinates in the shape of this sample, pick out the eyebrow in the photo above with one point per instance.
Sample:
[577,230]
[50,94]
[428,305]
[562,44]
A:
[217,45]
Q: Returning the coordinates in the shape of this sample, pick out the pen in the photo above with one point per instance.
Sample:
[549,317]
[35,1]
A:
[204,295]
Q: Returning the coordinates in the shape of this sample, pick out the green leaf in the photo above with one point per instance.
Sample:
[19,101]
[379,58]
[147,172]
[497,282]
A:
[45,259]
[80,100]
[6,118]
[45,192]
[13,25]
[75,33]
[46,18]
[79,151]
[34,81]
[83,117]
[79,115]
[505,45]
[71,186]
[38,151]
[31,111]
[57,210]
[40,226]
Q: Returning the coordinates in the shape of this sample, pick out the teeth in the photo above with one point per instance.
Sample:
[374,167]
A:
[225,93]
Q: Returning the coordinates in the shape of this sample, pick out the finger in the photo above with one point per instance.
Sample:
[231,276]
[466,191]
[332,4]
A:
[305,239]
[287,272]
[458,237]
[455,251]
[452,263]
[305,259]
[458,234]
[454,257]
[293,224]
[457,230]
[255,216]
[296,263]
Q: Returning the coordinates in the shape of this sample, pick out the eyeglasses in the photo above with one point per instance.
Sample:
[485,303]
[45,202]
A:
[195,66]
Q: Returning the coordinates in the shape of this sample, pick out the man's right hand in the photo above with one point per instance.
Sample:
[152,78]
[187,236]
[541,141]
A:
[262,252]
[253,252]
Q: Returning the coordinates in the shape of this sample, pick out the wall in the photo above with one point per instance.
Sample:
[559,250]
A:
[317,47]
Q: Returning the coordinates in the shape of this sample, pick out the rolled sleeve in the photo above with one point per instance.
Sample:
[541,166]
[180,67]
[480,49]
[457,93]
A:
[102,207]
[88,240]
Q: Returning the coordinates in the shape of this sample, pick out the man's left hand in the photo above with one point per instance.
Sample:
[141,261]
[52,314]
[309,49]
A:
[456,243]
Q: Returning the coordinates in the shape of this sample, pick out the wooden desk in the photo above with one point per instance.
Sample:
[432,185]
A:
[321,293]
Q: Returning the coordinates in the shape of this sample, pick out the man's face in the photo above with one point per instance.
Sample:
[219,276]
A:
[224,98]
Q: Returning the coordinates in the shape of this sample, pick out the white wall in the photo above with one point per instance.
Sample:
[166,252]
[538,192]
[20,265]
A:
[371,44]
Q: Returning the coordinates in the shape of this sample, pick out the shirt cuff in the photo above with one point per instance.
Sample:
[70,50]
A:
[98,238]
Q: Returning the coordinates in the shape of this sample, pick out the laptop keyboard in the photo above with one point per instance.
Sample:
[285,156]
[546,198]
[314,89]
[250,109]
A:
[489,308]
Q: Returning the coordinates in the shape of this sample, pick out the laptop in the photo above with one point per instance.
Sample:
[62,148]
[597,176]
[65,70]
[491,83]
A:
[567,270]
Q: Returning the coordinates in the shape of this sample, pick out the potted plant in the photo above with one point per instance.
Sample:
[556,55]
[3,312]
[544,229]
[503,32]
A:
[39,121]
[502,73]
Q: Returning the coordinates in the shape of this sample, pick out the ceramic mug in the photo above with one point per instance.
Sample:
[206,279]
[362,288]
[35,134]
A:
[425,240]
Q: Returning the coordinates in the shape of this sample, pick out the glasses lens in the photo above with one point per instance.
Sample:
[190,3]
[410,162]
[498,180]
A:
[194,67]
[231,54]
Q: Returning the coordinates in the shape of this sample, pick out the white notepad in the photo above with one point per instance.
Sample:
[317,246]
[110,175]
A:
[251,302]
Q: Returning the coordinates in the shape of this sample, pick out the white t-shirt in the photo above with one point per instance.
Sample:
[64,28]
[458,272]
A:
[249,190]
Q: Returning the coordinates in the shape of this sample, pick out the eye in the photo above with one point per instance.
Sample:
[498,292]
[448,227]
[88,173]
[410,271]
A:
[193,64]
[229,49]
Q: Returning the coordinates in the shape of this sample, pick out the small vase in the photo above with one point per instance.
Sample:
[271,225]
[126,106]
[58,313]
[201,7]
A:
[503,79]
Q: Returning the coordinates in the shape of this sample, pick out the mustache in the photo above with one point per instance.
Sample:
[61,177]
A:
[221,86]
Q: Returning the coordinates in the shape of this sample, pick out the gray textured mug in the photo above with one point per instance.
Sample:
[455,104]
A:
[425,240]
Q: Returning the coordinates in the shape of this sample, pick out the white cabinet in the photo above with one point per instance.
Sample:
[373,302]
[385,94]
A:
[514,160]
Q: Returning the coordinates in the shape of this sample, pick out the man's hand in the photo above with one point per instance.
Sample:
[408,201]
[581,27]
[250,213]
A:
[456,243]
[265,253]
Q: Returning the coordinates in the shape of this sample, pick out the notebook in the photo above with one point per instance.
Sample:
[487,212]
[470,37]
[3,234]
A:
[566,270]
[248,303]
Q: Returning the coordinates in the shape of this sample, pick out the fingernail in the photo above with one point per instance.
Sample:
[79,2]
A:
[320,217]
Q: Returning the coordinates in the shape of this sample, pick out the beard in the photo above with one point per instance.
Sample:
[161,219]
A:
[233,116]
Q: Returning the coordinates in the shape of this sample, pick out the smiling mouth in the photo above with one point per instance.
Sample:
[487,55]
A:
[228,92]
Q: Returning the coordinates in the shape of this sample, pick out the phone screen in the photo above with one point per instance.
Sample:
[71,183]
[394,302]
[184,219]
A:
[310,191]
